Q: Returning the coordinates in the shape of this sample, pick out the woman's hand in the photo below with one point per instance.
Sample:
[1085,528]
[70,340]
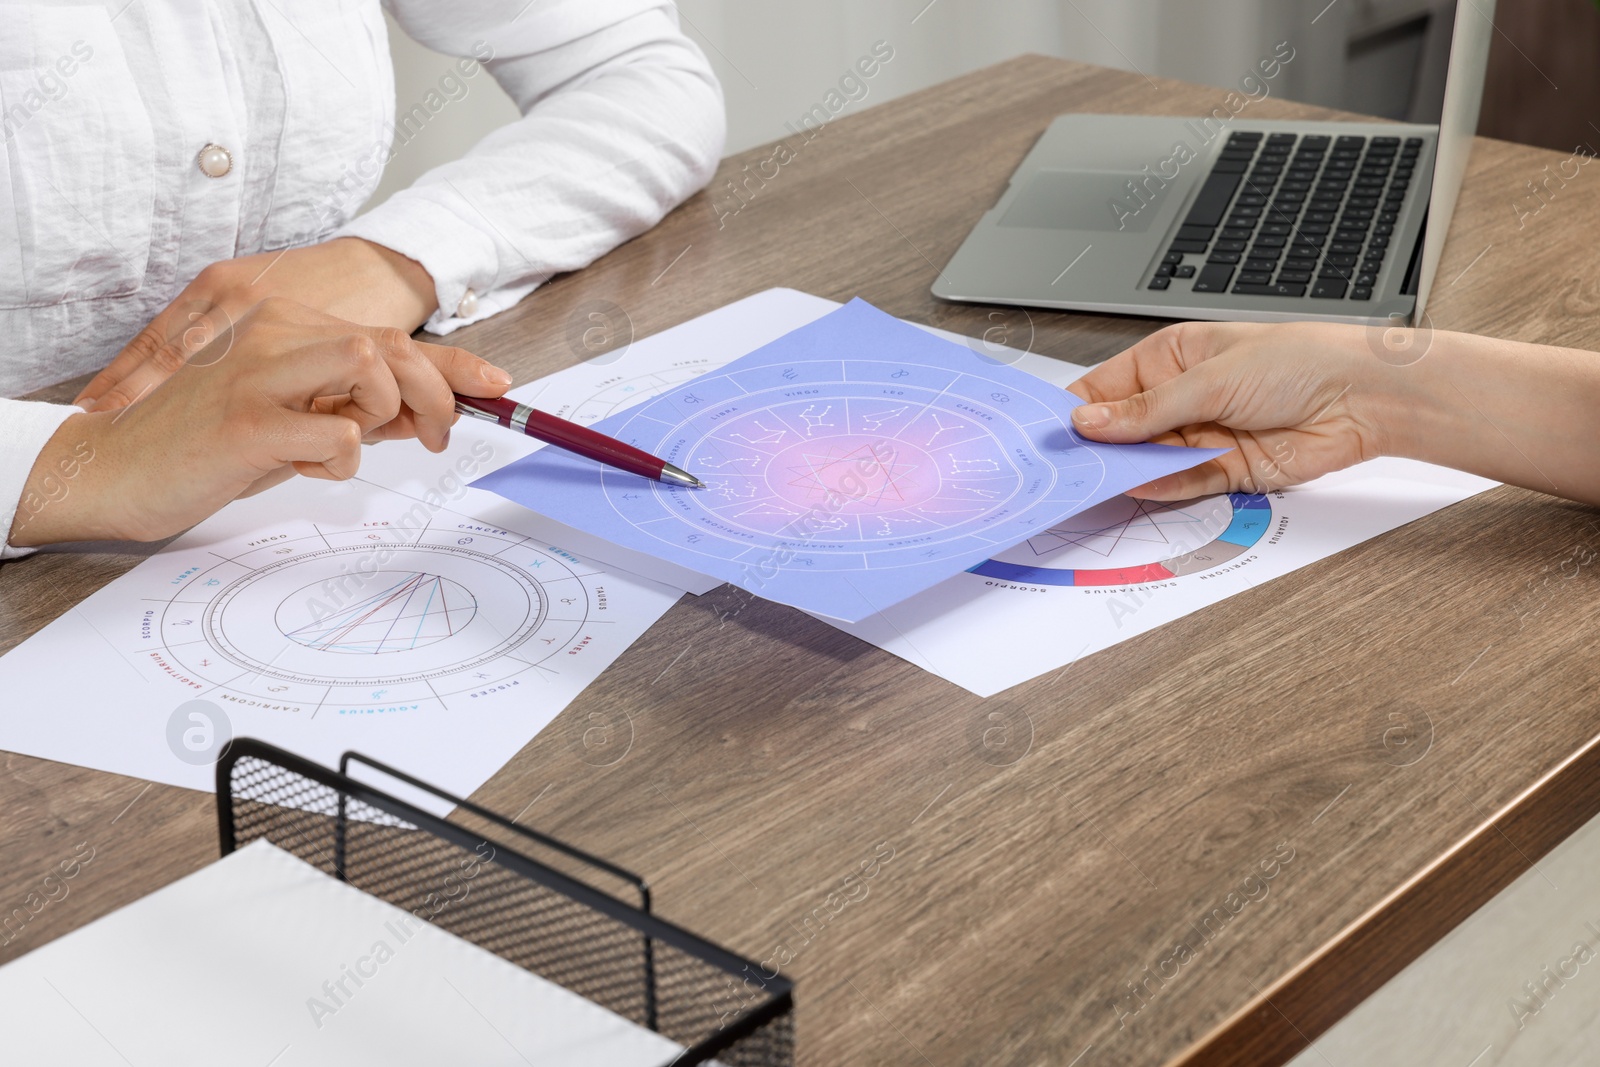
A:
[1292,400]
[346,277]
[287,389]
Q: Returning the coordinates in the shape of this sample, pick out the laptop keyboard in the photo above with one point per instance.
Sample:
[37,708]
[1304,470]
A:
[1289,215]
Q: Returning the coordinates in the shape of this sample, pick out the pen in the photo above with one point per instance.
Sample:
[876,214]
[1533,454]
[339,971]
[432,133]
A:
[574,438]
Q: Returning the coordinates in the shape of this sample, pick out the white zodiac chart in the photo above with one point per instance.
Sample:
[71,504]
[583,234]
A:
[621,389]
[367,620]
[1130,542]
[324,617]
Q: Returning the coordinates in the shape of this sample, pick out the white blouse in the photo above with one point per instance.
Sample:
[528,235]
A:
[116,194]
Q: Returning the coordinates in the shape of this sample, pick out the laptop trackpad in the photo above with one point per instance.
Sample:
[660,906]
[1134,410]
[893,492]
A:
[1084,200]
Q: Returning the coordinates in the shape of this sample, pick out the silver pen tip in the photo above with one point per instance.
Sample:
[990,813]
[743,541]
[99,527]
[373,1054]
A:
[679,476]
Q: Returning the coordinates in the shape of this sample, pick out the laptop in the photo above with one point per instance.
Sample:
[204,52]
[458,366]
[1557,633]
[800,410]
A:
[1221,217]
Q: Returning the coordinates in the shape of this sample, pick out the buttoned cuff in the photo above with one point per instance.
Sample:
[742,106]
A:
[25,426]
[461,259]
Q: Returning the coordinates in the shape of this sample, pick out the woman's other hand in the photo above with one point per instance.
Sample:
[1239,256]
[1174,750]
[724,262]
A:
[347,277]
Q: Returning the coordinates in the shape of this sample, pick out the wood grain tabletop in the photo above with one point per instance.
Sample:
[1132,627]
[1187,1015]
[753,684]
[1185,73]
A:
[1034,903]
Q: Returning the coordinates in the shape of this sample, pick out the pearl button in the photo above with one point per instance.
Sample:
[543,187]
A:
[214,161]
[468,306]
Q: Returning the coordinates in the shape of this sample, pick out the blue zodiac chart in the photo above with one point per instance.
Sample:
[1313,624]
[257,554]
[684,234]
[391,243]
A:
[849,464]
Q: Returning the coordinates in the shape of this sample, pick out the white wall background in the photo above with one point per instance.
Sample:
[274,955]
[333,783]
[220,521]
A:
[777,58]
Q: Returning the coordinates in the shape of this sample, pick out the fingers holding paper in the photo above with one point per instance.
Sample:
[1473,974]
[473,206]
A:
[1285,398]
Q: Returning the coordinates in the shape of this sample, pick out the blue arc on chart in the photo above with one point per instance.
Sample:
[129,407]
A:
[1250,514]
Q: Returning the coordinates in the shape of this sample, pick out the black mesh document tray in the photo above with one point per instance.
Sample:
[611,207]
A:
[720,1007]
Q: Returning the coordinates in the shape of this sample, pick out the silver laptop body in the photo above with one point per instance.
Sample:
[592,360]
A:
[1146,215]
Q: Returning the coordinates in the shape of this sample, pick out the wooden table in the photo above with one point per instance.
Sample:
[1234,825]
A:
[771,754]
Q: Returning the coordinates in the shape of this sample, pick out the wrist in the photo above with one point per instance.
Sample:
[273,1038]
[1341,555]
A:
[61,498]
[1414,409]
[388,286]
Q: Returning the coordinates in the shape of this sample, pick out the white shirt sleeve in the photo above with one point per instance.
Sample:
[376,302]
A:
[25,426]
[622,119]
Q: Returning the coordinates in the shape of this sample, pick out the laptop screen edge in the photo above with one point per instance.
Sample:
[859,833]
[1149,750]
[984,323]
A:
[1458,124]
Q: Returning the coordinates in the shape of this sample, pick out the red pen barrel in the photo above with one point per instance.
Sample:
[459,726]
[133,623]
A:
[592,444]
[580,440]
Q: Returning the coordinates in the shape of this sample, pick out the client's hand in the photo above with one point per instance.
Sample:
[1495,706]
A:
[347,277]
[288,389]
[1290,399]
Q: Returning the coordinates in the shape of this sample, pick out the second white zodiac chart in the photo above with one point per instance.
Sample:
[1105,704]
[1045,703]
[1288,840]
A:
[371,619]
[623,389]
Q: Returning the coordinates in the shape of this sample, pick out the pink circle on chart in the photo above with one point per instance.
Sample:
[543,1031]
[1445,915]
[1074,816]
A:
[853,474]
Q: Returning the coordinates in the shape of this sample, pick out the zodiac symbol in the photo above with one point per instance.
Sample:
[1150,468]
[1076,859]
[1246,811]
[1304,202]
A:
[871,422]
[377,693]
[941,428]
[463,540]
[569,600]
[1000,398]
[694,539]
[772,436]
[791,374]
[690,398]
[886,526]
[902,373]
[815,422]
